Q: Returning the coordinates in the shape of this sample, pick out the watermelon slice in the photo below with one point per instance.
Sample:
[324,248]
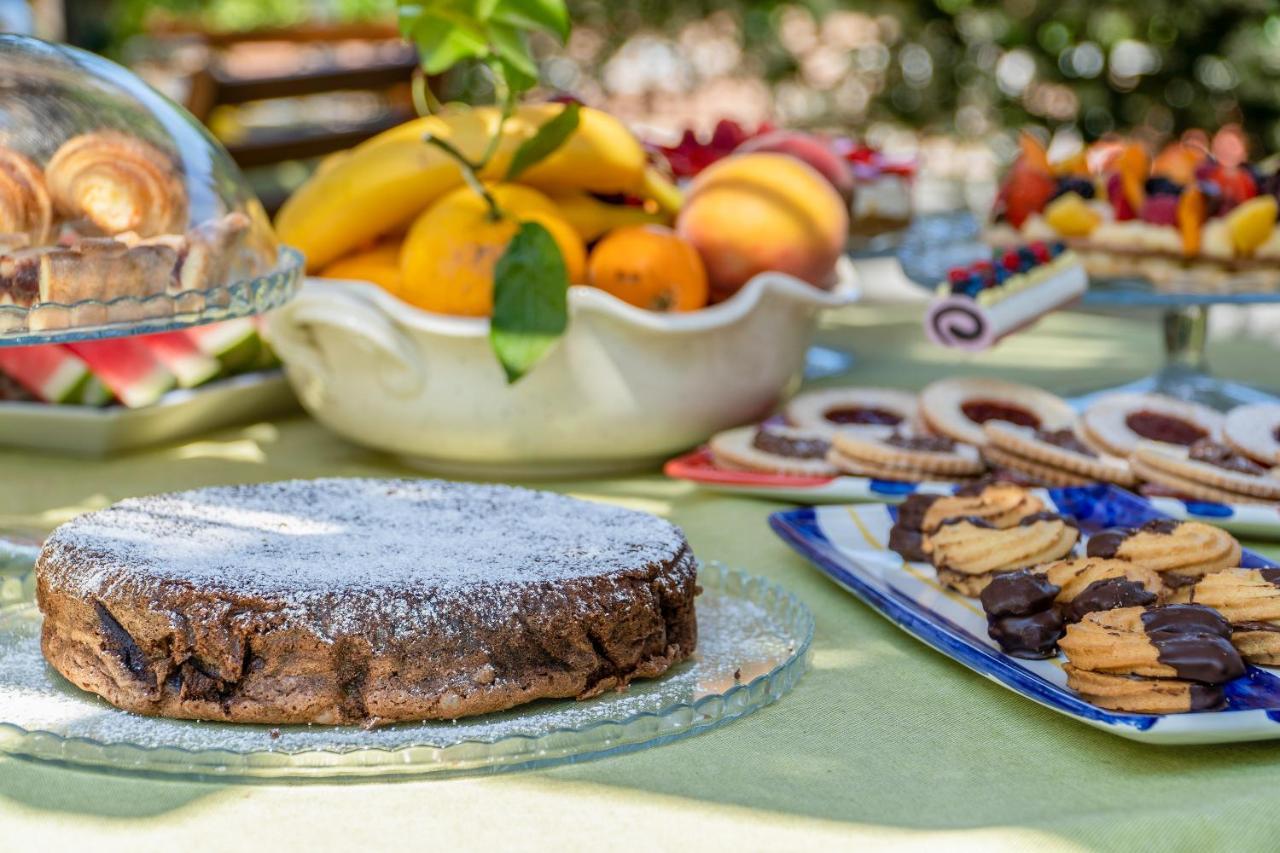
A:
[49,371]
[95,393]
[234,343]
[182,357]
[127,368]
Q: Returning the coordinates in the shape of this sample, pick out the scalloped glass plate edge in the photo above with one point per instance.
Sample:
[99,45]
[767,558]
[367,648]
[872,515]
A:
[243,298]
[517,752]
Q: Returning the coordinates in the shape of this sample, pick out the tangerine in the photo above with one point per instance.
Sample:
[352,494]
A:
[649,266]
[449,254]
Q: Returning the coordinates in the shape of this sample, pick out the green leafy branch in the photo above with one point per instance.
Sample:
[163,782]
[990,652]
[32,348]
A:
[530,279]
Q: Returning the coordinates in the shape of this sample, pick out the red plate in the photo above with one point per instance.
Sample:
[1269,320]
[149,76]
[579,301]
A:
[699,467]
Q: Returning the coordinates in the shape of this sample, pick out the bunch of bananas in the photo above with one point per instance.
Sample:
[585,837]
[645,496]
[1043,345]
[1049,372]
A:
[375,191]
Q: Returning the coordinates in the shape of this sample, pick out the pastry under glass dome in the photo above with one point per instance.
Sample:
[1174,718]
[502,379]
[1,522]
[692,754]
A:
[119,213]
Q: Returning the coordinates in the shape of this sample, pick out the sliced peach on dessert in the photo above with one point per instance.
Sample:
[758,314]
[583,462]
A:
[1134,166]
[1251,223]
[1191,216]
[1178,162]
[1077,164]
[1071,216]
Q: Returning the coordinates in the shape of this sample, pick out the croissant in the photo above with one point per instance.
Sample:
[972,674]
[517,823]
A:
[26,210]
[119,183]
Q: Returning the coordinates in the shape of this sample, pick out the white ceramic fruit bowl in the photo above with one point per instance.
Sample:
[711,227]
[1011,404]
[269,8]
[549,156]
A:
[624,388]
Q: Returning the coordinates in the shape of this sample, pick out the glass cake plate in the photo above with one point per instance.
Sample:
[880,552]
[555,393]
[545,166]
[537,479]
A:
[753,645]
[936,243]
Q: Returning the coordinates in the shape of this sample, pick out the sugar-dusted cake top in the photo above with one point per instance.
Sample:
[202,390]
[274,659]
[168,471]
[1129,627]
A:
[337,548]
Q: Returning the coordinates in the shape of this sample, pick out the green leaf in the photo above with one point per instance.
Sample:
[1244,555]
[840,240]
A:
[512,47]
[530,300]
[543,143]
[547,15]
[443,43]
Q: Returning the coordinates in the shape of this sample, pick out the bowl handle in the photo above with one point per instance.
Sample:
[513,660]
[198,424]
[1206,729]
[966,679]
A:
[341,308]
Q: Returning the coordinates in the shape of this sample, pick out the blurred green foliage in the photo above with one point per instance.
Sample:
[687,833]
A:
[957,65]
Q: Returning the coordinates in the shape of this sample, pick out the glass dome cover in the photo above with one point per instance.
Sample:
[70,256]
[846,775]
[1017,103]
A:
[119,212]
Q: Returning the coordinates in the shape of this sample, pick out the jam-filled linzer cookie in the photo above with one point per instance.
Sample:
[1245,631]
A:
[968,553]
[1118,423]
[1055,452]
[859,409]
[1181,551]
[998,504]
[1250,600]
[1207,470]
[1254,430]
[923,456]
[773,449]
[958,407]
[1155,660]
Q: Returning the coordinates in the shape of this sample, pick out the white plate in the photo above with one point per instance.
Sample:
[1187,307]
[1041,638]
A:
[88,431]
[848,544]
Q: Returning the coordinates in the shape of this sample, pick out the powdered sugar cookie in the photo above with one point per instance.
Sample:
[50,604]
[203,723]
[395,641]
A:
[932,453]
[1039,473]
[773,450]
[852,408]
[1254,430]
[1118,422]
[957,408]
[1211,464]
[1061,449]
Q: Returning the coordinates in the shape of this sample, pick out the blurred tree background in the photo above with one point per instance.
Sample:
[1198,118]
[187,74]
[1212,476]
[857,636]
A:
[960,66]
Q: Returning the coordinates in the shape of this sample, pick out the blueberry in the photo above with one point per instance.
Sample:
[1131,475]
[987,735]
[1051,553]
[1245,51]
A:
[1001,276]
[1160,185]
[1057,247]
[1028,257]
[1082,187]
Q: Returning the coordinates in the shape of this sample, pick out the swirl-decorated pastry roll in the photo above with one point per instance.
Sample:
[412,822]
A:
[26,211]
[119,183]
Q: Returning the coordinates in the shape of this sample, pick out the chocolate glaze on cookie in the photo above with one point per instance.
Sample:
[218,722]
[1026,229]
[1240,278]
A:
[1045,515]
[1108,594]
[1194,641]
[1221,456]
[1065,439]
[1021,616]
[1106,543]
[905,537]
[927,443]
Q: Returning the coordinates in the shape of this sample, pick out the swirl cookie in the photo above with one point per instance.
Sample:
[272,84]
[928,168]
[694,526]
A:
[858,409]
[1208,470]
[1181,551]
[1117,423]
[968,553]
[1059,453]
[1151,660]
[958,407]
[1250,600]
[774,450]
[1087,585]
[930,455]
[1254,431]
[998,504]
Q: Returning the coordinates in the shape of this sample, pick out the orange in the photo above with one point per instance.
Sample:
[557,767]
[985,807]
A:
[379,264]
[449,254]
[651,267]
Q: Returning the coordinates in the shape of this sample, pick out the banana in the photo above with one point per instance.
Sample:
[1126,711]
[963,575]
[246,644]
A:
[592,218]
[383,183]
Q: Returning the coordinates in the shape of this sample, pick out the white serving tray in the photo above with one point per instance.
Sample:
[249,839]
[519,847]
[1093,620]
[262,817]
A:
[87,431]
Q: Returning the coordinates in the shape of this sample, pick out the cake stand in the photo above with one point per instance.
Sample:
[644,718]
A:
[937,243]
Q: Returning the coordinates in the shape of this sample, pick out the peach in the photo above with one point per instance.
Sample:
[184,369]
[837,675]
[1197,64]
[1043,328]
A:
[750,213]
[812,149]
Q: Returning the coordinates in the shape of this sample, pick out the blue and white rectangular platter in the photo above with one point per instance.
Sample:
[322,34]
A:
[848,544]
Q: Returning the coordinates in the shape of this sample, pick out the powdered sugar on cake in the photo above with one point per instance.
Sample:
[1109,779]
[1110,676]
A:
[331,552]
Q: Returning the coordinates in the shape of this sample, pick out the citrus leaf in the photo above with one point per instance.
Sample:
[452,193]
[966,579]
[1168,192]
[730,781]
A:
[443,43]
[543,143]
[512,47]
[548,15]
[530,300]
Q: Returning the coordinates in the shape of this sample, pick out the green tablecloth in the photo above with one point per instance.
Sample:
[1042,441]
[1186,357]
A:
[882,741]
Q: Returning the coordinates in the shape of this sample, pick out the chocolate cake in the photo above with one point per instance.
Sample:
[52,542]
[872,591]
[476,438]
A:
[361,601]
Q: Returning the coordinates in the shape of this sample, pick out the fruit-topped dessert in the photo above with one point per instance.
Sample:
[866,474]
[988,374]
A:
[981,303]
[1198,214]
